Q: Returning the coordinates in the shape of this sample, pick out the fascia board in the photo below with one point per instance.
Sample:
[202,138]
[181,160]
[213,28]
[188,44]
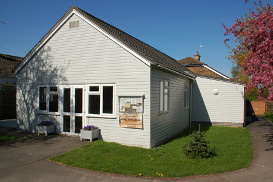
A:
[59,25]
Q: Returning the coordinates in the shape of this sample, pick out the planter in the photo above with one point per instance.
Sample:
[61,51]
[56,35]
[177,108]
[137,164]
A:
[46,129]
[89,134]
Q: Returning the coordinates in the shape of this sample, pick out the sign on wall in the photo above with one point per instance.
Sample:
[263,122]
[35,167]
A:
[131,112]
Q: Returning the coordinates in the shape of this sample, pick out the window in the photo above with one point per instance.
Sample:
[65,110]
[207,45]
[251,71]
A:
[164,95]
[66,100]
[48,98]
[101,100]
[78,100]
[107,106]
[42,99]
[53,99]
[186,97]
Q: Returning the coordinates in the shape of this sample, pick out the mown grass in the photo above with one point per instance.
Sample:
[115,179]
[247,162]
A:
[233,151]
[4,137]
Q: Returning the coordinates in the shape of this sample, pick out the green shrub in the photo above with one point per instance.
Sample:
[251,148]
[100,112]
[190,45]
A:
[198,147]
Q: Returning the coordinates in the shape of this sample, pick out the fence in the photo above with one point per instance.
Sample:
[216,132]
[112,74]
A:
[258,107]
[269,107]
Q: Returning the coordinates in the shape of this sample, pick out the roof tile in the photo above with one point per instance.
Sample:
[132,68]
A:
[8,63]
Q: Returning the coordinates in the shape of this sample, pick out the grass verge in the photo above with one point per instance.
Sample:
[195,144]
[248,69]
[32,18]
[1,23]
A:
[269,116]
[4,137]
[233,151]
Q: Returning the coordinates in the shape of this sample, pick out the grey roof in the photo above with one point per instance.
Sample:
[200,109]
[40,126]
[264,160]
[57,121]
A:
[8,63]
[154,56]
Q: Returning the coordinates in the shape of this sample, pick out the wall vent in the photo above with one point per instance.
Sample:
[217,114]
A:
[74,24]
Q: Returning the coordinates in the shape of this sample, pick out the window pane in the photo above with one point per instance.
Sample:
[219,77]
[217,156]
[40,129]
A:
[161,96]
[166,100]
[78,100]
[78,124]
[42,98]
[107,99]
[53,103]
[94,88]
[66,100]
[66,123]
[185,98]
[54,89]
[94,104]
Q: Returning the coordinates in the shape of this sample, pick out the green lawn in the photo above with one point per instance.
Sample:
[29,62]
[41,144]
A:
[233,151]
[4,137]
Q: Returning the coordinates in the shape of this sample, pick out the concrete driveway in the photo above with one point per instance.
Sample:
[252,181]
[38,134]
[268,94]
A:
[25,159]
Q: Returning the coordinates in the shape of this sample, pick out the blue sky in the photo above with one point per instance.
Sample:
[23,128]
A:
[175,27]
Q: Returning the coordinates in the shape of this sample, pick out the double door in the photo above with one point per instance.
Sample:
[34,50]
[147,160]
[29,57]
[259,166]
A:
[73,109]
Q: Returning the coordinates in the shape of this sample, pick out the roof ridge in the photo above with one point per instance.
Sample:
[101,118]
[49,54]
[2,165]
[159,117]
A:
[144,50]
[141,46]
[75,7]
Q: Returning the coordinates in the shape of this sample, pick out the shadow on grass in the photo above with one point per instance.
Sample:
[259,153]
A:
[187,132]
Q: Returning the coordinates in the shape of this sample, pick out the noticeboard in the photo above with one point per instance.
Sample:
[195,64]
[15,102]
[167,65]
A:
[131,112]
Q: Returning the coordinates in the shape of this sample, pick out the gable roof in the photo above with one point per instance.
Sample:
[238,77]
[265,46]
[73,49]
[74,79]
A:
[200,68]
[190,61]
[8,63]
[152,55]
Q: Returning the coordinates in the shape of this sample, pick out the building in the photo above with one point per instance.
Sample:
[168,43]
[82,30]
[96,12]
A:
[216,100]
[7,89]
[7,65]
[85,71]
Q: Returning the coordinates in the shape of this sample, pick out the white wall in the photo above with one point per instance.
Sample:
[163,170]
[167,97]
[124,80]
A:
[227,106]
[167,125]
[83,56]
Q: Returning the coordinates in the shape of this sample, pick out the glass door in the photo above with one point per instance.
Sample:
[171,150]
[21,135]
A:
[72,111]
[78,110]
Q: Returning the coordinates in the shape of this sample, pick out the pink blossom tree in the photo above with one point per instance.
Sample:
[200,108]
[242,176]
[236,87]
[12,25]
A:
[253,51]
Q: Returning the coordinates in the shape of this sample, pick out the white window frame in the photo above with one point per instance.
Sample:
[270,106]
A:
[48,97]
[165,110]
[100,93]
[186,97]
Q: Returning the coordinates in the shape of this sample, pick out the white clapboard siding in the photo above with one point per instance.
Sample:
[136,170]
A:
[227,106]
[84,55]
[166,125]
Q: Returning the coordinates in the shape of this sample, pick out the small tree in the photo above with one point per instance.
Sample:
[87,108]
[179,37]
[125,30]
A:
[198,147]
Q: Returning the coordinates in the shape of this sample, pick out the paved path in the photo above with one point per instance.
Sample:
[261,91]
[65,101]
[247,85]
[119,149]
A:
[26,160]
